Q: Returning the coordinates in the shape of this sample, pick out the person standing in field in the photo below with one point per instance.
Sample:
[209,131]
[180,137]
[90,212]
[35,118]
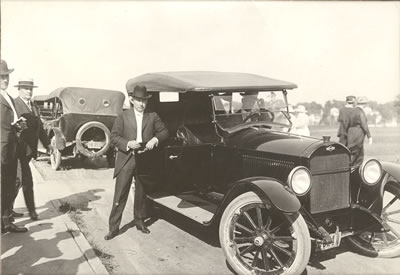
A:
[344,119]
[358,129]
[302,121]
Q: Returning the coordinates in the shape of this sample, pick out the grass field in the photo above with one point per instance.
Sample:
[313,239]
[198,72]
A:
[385,146]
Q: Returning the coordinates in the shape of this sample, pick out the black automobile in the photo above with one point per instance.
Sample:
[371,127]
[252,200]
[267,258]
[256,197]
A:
[232,163]
[79,120]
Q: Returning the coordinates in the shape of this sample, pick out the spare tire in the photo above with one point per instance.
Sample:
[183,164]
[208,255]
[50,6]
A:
[93,139]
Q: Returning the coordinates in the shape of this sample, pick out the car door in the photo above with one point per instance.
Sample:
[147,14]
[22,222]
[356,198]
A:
[188,168]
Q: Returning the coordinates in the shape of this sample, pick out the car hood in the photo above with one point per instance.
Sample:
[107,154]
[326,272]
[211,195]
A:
[273,142]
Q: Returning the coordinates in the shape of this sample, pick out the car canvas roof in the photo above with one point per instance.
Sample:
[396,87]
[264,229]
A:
[207,81]
[93,100]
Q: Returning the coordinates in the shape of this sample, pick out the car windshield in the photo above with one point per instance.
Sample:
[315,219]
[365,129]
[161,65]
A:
[238,110]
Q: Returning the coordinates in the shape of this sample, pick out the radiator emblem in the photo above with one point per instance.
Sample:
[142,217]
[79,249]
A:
[330,148]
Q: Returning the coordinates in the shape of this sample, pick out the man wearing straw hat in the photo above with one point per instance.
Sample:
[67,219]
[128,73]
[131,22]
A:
[11,126]
[29,140]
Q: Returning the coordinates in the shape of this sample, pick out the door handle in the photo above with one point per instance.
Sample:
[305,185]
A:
[173,157]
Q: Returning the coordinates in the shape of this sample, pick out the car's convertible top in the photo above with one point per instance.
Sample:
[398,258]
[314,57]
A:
[207,81]
[87,100]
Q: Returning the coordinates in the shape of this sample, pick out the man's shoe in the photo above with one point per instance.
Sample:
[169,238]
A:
[16,214]
[14,228]
[141,226]
[110,235]
[34,216]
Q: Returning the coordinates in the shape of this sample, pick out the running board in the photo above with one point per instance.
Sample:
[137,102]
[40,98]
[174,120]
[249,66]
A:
[189,205]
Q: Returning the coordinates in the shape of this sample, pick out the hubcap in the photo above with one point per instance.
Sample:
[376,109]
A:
[259,241]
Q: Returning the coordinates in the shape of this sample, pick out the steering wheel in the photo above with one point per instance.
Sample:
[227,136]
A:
[250,115]
[271,114]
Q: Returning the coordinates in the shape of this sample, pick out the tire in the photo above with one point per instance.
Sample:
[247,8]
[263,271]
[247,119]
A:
[81,142]
[273,243]
[55,156]
[382,244]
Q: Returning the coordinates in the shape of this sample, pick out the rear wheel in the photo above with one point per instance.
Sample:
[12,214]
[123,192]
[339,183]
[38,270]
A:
[55,156]
[383,244]
[93,139]
[257,239]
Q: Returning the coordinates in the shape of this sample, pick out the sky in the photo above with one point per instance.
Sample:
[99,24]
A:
[329,49]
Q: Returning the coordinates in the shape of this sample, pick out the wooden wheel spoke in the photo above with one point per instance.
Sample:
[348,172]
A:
[250,219]
[247,250]
[397,234]
[391,202]
[255,260]
[393,212]
[268,223]
[240,240]
[259,217]
[393,220]
[284,238]
[276,257]
[265,259]
[283,250]
[244,228]
[276,228]
[384,237]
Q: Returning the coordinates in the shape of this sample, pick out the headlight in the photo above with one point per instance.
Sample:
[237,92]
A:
[371,171]
[300,180]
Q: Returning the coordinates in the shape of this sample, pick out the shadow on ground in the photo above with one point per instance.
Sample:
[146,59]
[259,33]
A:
[43,249]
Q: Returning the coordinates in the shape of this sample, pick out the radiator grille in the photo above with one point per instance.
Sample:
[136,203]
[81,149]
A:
[331,180]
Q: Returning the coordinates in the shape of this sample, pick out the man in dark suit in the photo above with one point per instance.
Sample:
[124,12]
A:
[134,131]
[344,119]
[10,128]
[28,140]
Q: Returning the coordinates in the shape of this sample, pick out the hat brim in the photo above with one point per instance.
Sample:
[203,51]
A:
[7,72]
[139,97]
[30,86]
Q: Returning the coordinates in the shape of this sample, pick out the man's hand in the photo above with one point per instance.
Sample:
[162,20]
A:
[151,143]
[370,141]
[21,125]
[133,144]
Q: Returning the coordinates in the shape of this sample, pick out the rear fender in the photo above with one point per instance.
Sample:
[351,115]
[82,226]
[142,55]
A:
[272,192]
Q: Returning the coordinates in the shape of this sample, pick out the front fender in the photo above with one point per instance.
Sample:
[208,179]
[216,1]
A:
[271,192]
[392,169]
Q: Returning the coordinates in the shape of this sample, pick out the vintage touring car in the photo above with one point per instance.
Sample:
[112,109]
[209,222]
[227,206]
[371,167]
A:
[232,163]
[78,121]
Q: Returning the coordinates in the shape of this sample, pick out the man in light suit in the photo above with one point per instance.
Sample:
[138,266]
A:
[134,131]
[10,128]
[28,140]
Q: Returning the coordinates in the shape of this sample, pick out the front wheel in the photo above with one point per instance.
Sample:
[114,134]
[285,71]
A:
[257,239]
[55,156]
[385,244]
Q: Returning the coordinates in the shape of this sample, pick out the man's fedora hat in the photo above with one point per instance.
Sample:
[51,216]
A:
[26,82]
[139,92]
[4,68]
[350,99]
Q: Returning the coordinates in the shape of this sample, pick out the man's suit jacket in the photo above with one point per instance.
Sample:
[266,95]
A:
[124,130]
[35,131]
[8,133]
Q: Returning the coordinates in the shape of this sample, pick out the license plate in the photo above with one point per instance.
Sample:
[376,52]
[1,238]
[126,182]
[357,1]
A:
[336,238]
[95,144]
